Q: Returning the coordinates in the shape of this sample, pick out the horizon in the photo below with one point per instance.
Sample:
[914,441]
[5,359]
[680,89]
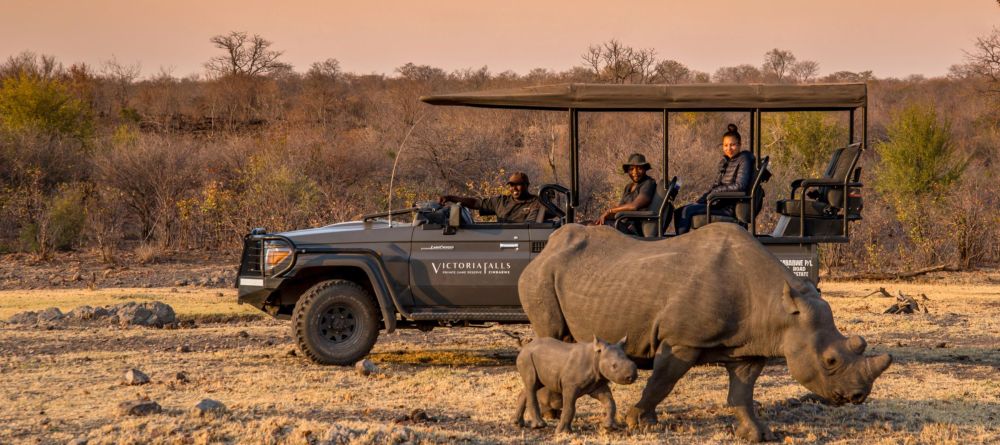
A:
[453,36]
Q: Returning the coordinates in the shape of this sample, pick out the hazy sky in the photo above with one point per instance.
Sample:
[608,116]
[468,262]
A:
[890,37]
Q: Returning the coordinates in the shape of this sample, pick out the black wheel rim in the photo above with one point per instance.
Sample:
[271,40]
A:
[338,324]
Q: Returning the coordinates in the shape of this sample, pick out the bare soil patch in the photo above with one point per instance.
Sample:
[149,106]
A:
[63,384]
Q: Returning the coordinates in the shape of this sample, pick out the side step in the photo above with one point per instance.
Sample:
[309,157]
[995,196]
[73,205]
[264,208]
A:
[473,314]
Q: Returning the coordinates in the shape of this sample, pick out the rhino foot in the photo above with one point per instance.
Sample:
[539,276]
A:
[536,424]
[637,418]
[751,432]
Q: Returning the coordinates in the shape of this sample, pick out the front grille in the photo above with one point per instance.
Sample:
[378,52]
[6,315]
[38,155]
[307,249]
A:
[250,263]
[537,246]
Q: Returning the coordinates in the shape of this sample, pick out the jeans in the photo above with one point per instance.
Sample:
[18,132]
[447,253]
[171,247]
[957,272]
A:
[684,215]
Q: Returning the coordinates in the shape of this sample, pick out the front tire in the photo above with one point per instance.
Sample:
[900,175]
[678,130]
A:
[335,323]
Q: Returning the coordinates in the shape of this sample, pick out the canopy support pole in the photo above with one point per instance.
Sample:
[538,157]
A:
[574,164]
[666,147]
[850,129]
[755,133]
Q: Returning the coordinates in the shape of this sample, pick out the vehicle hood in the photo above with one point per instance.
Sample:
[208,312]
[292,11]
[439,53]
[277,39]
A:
[344,232]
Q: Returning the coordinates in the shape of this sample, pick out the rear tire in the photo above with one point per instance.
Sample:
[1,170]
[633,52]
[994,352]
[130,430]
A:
[335,323]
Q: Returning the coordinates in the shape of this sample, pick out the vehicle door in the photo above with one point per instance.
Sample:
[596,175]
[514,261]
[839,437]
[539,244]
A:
[478,265]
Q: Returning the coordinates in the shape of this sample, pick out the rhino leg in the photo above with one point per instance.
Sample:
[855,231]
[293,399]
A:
[550,404]
[569,396]
[603,394]
[742,376]
[532,417]
[669,366]
[519,413]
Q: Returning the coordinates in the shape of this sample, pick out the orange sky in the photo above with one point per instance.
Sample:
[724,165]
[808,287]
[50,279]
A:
[891,37]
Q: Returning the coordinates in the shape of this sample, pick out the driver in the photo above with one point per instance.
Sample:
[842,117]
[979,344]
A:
[517,207]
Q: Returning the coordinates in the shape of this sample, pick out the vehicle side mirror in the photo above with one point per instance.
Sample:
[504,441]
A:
[454,219]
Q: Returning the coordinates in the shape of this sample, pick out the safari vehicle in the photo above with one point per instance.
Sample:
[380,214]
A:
[425,266]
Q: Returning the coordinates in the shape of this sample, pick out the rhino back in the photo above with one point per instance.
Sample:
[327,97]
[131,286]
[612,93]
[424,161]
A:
[694,290]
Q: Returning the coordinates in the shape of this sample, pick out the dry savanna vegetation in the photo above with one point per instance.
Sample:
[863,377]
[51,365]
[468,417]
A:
[459,385]
[127,165]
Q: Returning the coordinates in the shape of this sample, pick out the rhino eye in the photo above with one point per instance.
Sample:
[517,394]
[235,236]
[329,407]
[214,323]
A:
[831,362]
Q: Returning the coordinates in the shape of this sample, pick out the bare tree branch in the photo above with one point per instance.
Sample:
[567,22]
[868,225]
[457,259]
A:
[245,55]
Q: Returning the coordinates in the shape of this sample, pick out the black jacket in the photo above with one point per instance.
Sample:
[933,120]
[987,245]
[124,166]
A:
[735,175]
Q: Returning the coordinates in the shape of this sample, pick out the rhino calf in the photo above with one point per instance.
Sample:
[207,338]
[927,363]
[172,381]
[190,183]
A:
[568,371]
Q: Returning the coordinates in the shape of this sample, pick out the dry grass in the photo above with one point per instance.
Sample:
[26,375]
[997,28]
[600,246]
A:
[62,384]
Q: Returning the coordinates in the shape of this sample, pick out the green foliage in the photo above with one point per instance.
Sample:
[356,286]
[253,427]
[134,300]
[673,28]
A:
[918,159]
[59,222]
[47,106]
[66,216]
[805,142]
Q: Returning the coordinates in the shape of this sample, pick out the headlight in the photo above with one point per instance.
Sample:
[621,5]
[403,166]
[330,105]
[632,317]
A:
[277,256]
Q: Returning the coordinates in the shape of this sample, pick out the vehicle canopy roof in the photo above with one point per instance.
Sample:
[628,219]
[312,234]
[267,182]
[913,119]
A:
[694,97]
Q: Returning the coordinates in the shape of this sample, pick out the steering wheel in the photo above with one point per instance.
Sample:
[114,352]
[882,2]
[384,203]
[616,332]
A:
[547,193]
[434,213]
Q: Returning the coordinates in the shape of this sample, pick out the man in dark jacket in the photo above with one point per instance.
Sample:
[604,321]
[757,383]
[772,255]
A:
[736,170]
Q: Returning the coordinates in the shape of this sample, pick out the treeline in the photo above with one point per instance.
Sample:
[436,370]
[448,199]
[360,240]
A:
[103,159]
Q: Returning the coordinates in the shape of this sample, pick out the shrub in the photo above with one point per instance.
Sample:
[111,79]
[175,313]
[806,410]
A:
[804,142]
[30,103]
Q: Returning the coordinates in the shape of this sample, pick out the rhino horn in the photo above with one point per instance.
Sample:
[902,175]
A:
[623,340]
[856,344]
[878,364]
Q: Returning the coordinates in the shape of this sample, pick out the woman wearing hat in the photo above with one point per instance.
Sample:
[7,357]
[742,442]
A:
[638,193]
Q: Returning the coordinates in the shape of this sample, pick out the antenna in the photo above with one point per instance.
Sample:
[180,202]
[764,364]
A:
[399,154]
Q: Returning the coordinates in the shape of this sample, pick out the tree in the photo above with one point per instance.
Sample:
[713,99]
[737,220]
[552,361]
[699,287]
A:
[327,69]
[672,71]
[918,159]
[244,56]
[421,73]
[849,76]
[121,77]
[30,104]
[738,74]
[805,71]
[778,64]
[984,60]
[615,62]
[805,141]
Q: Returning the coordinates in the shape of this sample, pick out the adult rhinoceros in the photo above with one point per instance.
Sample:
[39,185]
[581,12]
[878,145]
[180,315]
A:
[715,295]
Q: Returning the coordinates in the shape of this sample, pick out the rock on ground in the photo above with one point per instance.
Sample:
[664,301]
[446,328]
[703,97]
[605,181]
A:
[27,317]
[209,407]
[136,377]
[49,315]
[149,313]
[366,367]
[139,408]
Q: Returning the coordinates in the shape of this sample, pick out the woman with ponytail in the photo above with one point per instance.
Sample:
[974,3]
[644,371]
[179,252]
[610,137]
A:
[735,174]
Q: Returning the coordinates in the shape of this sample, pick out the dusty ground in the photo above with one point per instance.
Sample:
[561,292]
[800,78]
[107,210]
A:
[64,384]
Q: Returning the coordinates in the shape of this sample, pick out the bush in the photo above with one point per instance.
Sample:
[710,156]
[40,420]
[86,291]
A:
[805,142]
[918,165]
[35,104]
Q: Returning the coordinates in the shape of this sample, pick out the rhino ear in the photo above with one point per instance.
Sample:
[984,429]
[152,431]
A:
[788,298]
[623,341]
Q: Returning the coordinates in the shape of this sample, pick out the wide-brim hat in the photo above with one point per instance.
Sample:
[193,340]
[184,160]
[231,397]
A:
[636,159]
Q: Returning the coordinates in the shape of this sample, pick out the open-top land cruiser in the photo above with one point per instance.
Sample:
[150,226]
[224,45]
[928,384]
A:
[430,266]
